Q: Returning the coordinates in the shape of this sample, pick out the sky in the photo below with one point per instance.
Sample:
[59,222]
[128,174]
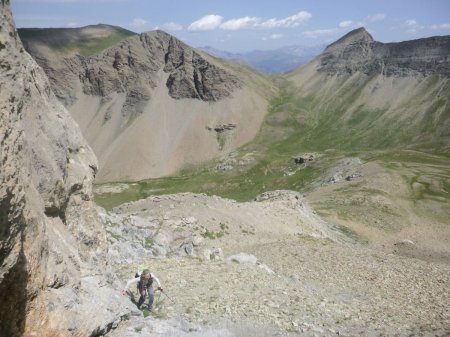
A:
[245,25]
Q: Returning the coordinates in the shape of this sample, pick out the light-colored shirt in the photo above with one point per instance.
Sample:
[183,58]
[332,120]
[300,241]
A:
[137,279]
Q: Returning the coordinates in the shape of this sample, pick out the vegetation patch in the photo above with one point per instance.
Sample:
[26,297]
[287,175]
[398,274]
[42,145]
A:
[115,235]
[74,40]
[212,235]
[149,242]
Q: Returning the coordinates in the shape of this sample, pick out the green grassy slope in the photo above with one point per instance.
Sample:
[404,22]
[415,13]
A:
[296,124]
[84,41]
[358,112]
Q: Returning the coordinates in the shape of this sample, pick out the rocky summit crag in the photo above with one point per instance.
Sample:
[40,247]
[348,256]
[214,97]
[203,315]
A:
[358,51]
[52,244]
[131,67]
[134,64]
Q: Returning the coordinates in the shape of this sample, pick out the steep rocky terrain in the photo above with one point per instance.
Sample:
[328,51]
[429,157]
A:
[151,104]
[270,267]
[53,248]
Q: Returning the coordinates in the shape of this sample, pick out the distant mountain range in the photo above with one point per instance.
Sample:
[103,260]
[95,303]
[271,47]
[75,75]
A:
[274,61]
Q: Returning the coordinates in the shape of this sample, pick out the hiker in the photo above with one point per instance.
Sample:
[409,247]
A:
[144,285]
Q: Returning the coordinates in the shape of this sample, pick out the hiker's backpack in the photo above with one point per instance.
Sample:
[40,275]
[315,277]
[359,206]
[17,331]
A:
[140,284]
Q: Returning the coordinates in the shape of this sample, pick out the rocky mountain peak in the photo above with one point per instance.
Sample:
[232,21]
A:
[356,36]
[358,52]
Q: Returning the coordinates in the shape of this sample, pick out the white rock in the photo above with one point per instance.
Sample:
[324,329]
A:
[405,243]
[243,258]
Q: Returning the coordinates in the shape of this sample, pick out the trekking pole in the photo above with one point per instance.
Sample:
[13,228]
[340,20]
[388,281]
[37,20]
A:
[159,297]
[168,297]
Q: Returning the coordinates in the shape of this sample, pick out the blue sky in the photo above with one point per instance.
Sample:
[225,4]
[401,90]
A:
[243,25]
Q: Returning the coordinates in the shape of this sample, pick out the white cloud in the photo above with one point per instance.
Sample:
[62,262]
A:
[274,36]
[345,24]
[240,23]
[441,26]
[139,23]
[208,22]
[356,24]
[172,26]
[211,22]
[376,17]
[290,21]
[412,26]
[314,34]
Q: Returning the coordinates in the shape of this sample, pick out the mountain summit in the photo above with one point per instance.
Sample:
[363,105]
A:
[358,36]
[357,51]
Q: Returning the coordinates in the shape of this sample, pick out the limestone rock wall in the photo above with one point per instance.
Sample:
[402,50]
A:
[52,244]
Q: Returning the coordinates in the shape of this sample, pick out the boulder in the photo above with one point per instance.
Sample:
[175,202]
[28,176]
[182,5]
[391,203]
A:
[213,254]
[304,158]
[243,258]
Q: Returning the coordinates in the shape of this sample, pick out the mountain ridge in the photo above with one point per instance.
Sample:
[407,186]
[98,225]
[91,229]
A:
[154,89]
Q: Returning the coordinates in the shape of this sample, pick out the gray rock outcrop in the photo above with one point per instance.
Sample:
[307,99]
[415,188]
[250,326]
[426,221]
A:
[133,67]
[134,236]
[357,51]
[348,169]
[168,328]
[52,245]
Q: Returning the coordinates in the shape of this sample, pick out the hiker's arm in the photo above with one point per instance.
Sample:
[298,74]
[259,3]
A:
[130,282]
[156,280]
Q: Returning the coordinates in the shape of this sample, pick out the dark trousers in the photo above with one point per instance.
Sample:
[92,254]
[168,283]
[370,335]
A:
[151,296]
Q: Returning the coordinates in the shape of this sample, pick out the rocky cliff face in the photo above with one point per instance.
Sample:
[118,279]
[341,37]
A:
[132,67]
[357,51]
[52,245]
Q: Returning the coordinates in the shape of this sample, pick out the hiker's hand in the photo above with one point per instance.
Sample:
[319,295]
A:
[160,289]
